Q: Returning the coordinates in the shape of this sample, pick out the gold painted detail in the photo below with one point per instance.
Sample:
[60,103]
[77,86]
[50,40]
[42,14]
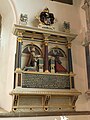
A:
[46,44]
[19,39]
[31,72]
[18,70]
[72,74]
[19,33]
[46,36]
[46,71]
[68,45]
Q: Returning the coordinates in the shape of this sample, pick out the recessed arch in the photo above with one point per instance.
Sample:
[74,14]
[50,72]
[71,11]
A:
[56,51]
[29,46]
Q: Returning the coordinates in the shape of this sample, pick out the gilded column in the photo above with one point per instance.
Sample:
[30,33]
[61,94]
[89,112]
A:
[70,67]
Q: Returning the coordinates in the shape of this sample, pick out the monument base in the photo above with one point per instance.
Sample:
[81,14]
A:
[43,100]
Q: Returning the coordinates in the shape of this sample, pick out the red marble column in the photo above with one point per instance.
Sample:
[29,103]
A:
[46,57]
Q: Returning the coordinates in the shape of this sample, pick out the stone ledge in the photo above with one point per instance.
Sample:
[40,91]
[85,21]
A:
[38,114]
[37,91]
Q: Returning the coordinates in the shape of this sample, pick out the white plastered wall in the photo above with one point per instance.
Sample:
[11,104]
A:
[79,60]
[7,52]
[84,29]
[74,14]
[63,12]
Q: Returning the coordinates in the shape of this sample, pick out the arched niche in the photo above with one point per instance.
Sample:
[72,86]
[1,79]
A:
[7,53]
[58,54]
[27,53]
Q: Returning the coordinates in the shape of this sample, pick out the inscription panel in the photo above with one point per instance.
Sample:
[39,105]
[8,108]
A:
[45,81]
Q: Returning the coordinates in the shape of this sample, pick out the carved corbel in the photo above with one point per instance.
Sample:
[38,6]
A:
[15,101]
[74,99]
[47,99]
[46,102]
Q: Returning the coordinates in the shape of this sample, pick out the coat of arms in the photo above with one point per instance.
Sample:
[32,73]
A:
[46,19]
